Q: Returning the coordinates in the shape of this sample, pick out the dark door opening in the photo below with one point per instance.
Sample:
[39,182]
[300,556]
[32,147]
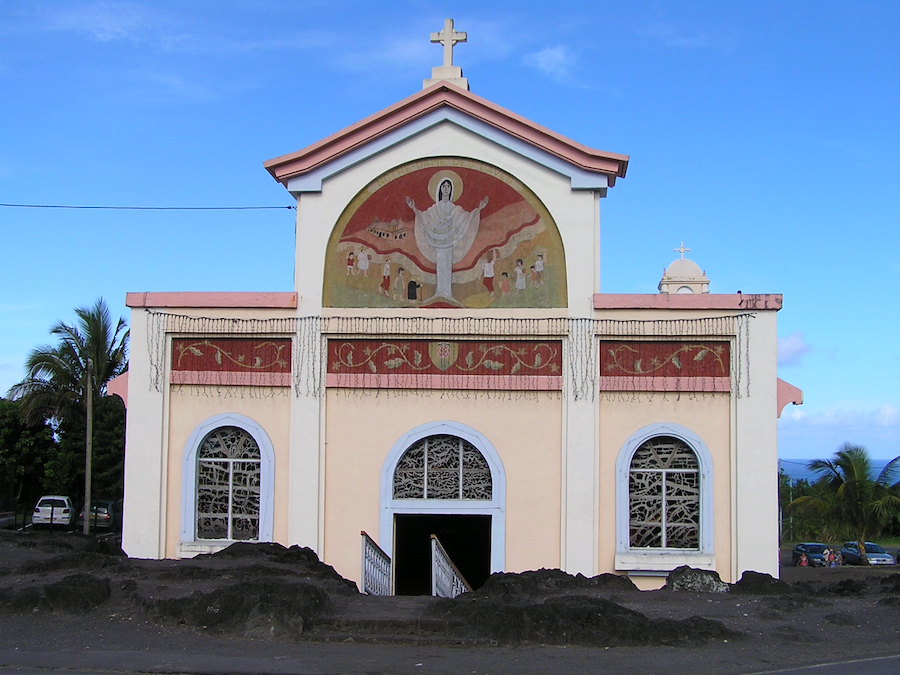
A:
[467,540]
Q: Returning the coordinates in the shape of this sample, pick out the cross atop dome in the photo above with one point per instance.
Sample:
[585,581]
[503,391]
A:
[448,72]
[684,276]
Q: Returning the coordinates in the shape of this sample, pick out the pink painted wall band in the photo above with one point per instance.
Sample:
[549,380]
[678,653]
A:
[788,393]
[414,381]
[118,386]
[230,379]
[235,300]
[619,383]
[741,301]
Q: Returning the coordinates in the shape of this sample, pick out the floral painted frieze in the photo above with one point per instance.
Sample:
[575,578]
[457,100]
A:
[253,362]
[665,365]
[454,364]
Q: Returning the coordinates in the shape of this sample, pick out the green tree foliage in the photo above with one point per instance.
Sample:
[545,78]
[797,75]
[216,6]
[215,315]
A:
[88,353]
[852,503]
[108,451]
[797,526]
[55,387]
[23,452]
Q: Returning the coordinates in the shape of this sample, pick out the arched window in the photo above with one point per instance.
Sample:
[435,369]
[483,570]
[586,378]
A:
[664,495]
[228,485]
[442,467]
[664,501]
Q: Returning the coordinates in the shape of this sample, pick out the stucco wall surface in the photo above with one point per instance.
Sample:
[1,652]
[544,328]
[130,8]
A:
[190,406]
[362,428]
[706,415]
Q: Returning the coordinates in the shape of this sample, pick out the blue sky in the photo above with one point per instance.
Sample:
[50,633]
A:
[764,135]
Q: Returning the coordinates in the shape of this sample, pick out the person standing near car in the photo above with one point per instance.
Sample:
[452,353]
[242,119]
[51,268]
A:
[804,561]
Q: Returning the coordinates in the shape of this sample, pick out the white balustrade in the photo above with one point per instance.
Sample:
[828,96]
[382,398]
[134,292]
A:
[376,568]
[446,579]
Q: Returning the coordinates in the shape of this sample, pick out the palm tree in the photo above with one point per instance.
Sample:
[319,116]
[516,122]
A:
[64,381]
[852,503]
[57,380]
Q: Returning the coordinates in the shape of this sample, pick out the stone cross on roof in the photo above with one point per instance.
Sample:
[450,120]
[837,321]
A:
[448,37]
[448,72]
[682,250]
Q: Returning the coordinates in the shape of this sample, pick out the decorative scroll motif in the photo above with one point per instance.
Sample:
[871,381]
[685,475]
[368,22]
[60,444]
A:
[665,359]
[446,579]
[441,356]
[578,337]
[228,485]
[232,355]
[664,495]
[442,467]
[376,568]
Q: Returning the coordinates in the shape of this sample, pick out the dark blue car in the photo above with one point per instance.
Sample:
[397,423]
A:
[815,553]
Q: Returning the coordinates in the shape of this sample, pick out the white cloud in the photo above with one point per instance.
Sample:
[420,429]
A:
[887,415]
[819,433]
[167,83]
[792,349]
[555,62]
[670,36]
[124,21]
[387,56]
[102,21]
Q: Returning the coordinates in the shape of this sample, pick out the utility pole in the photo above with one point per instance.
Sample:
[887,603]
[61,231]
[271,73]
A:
[88,447]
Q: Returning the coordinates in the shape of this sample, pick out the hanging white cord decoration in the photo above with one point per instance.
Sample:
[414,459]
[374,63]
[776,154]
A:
[582,339]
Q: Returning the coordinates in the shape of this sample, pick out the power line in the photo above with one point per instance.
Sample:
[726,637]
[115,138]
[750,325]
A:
[148,208]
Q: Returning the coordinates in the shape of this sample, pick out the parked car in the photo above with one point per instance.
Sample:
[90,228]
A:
[106,514]
[53,510]
[875,554]
[815,553]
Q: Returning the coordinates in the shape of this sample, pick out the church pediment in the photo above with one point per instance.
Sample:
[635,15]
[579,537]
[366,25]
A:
[587,168]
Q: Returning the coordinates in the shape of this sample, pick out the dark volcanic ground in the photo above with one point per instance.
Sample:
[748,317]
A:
[69,602]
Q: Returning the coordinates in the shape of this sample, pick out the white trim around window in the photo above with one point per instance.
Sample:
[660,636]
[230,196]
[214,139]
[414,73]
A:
[189,545]
[649,560]
[495,507]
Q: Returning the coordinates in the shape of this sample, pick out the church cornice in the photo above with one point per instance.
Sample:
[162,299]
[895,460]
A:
[707,301]
[428,101]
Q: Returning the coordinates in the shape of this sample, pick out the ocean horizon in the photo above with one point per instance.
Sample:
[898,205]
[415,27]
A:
[797,469]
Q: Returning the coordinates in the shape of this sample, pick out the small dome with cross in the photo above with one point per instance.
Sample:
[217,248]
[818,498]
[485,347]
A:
[684,276]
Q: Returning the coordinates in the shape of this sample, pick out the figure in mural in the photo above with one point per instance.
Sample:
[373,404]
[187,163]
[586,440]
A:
[386,277]
[539,268]
[487,269]
[362,262]
[521,277]
[400,284]
[412,290]
[445,232]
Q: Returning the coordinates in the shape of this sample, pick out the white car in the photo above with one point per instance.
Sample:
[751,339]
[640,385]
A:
[53,510]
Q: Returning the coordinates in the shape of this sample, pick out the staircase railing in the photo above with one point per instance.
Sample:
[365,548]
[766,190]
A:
[376,568]
[446,580]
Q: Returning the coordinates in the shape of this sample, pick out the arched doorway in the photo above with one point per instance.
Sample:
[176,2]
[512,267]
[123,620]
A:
[445,479]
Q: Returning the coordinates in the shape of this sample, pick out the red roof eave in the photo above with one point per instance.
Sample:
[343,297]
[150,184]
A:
[420,104]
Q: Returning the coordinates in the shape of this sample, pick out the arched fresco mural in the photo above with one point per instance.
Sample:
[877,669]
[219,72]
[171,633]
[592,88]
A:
[445,232]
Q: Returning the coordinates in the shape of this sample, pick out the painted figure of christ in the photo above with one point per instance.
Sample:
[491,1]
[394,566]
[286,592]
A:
[445,232]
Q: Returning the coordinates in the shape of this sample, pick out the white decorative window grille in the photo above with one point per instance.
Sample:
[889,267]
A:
[442,467]
[228,485]
[664,495]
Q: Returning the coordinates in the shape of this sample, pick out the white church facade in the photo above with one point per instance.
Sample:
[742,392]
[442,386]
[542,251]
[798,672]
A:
[447,365]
